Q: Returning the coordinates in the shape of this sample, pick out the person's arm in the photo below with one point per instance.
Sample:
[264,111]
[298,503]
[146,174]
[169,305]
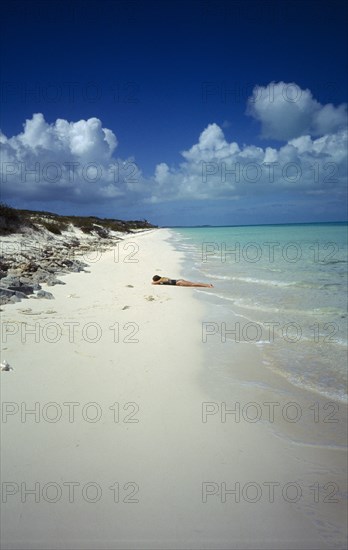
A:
[160,281]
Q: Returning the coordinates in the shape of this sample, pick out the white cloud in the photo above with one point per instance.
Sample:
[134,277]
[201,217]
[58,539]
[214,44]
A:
[329,118]
[216,169]
[76,162]
[64,160]
[161,173]
[82,138]
[286,112]
[211,145]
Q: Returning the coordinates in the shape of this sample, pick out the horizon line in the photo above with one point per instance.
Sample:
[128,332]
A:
[248,225]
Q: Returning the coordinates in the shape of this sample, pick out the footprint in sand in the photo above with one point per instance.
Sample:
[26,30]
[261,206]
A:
[29,311]
[84,354]
[150,298]
[130,286]
[125,307]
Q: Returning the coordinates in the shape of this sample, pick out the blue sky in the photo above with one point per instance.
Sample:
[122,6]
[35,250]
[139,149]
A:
[179,112]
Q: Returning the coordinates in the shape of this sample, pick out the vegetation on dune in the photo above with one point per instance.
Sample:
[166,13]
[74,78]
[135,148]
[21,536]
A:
[13,221]
[10,220]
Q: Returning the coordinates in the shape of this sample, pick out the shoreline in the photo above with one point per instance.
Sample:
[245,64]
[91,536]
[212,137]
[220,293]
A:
[131,425]
[241,314]
[313,419]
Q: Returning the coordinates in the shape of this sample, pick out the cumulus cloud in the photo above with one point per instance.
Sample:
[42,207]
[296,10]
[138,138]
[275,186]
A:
[216,169]
[82,138]
[77,162]
[211,145]
[286,112]
[64,161]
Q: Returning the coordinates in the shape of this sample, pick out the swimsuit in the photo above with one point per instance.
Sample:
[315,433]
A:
[169,282]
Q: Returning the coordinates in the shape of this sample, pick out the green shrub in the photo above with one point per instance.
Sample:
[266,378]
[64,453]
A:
[8,213]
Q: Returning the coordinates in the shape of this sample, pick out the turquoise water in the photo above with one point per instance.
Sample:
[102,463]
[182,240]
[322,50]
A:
[287,284]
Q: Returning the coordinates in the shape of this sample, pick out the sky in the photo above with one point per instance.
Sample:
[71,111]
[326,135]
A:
[182,113]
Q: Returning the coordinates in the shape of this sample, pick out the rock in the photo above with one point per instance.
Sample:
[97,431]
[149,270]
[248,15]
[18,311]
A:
[44,294]
[26,289]
[5,366]
[36,286]
[53,282]
[21,295]
[6,292]
[68,263]
[10,280]
[74,242]
[6,295]
[29,281]
[24,280]
[31,267]
[51,268]
[41,276]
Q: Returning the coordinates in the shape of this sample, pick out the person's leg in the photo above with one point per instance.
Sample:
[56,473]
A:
[182,282]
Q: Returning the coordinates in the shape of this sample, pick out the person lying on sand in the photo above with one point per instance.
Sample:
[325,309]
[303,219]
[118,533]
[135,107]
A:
[157,280]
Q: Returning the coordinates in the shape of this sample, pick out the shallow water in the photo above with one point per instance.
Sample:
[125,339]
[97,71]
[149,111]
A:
[288,286]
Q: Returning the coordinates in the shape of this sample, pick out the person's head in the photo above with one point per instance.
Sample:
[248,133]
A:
[156,278]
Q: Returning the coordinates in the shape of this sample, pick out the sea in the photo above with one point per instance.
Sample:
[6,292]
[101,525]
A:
[282,288]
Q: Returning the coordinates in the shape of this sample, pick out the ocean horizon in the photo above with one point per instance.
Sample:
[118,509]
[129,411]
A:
[254,224]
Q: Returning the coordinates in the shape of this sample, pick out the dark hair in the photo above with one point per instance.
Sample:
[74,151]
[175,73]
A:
[156,278]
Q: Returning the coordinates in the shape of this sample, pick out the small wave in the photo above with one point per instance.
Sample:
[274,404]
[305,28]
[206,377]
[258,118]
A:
[332,262]
[267,282]
[318,387]
[326,311]
[288,284]
[274,283]
[304,441]
[214,276]
[264,308]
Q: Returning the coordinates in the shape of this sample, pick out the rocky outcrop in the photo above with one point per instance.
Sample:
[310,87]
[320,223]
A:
[39,247]
[33,258]
[22,280]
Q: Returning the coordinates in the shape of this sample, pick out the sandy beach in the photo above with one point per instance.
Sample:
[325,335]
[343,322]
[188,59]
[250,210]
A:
[116,434]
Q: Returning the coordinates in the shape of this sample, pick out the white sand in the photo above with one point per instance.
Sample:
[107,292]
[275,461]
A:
[159,452]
